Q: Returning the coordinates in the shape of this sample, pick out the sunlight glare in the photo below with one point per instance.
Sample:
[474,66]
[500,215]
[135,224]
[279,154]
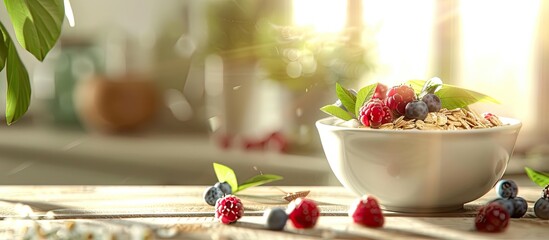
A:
[325,16]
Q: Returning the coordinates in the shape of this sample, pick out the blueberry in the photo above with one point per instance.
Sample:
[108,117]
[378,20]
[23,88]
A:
[416,110]
[225,187]
[520,205]
[212,194]
[275,218]
[508,204]
[506,189]
[541,208]
[432,101]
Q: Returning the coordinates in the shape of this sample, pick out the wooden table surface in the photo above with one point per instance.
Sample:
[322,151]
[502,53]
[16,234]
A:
[179,212]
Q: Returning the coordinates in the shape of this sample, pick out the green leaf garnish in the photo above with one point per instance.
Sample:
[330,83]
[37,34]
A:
[225,174]
[539,178]
[453,97]
[363,95]
[347,98]
[37,24]
[417,85]
[456,97]
[337,112]
[431,86]
[258,180]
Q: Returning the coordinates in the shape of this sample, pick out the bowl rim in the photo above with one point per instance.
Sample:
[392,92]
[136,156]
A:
[511,124]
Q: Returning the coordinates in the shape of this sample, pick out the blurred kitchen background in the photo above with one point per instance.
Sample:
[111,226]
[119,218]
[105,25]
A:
[154,92]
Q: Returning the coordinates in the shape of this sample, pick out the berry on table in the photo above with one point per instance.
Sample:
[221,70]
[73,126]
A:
[432,101]
[225,187]
[375,113]
[492,218]
[366,211]
[508,204]
[228,209]
[506,188]
[275,218]
[416,110]
[303,213]
[398,97]
[520,206]
[541,208]
[212,194]
[380,92]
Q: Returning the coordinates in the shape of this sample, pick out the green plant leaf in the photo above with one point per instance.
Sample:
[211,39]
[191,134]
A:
[363,95]
[337,112]
[37,23]
[225,174]
[347,98]
[19,90]
[3,47]
[539,178]
[258,180]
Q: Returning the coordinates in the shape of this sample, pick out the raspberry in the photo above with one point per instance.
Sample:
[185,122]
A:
[416,110]
[212,194]
[432,101]
[398,97]
[275,218]
[225,187]
[229,209]
[303,213]
[487,116]
[375,113]
[381,92]
[366,212]
[506,189]
[492,218]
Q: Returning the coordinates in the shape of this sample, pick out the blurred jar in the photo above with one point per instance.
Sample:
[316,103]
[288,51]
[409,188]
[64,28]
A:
[77,60]
[115,105]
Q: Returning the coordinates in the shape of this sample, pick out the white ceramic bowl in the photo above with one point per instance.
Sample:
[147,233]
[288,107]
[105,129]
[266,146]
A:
[419,171]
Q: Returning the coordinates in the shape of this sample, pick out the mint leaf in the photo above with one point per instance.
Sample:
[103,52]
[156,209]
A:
[37,24]
[347,98]
[431,86]
[455,97]
[539,178]
[225,174]
[417,85]
[363,95]
[337,112]
[258,180]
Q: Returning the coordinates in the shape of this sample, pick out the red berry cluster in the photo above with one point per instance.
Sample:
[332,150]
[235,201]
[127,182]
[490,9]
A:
[386,105]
